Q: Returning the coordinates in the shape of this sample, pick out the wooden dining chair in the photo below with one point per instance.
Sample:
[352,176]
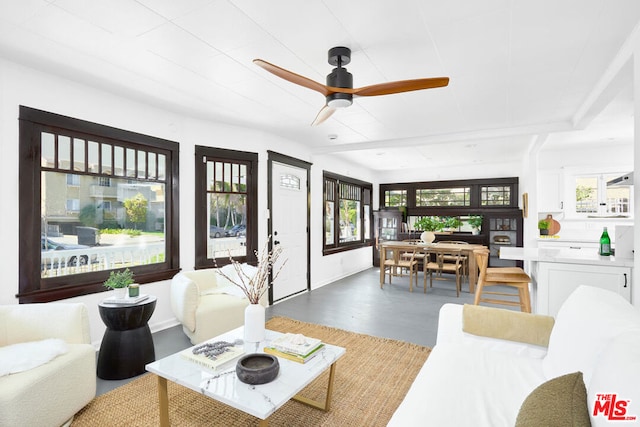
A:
[511,277]
[397,263]
[463,258]
[436,266]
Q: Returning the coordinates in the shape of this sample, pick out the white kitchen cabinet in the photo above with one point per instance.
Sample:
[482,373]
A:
[555,281]
[550,191]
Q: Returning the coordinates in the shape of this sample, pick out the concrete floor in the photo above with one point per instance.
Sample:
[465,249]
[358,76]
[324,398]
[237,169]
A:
[355,303]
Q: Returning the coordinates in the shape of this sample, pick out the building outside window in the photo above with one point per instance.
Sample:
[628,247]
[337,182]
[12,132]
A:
[98,196]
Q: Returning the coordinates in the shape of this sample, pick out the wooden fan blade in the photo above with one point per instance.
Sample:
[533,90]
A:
[399,86]
[323,115]
[292,77]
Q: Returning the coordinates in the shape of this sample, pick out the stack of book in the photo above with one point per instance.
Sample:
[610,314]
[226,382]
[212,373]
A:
[295,347]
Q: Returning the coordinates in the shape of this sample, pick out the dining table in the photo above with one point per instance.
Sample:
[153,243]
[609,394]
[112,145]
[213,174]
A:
[408,246]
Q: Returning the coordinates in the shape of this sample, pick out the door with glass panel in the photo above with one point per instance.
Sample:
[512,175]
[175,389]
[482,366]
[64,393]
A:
[289,225]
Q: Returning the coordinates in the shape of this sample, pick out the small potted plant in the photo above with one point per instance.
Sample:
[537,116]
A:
[119,281]
[475,222]
[428,224]
[543,226]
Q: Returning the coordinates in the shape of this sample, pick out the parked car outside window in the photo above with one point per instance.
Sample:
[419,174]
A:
[237,230]
[216,232]
[51,245]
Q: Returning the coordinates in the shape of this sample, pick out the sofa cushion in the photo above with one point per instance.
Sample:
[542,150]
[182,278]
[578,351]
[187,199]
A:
[586,322]
[468,385]
[507,324]
[561,401]
[614,390]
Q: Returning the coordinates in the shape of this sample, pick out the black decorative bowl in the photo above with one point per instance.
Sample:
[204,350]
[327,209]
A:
[257,368]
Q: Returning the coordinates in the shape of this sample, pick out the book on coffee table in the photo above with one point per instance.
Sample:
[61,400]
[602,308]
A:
[292,356]
[230,354]
[296,344]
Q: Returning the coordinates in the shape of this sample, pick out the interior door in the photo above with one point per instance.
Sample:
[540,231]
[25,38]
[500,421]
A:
[289,219]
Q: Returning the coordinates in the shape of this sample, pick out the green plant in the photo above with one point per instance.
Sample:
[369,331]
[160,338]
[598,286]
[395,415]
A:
[475,221]
[452,222]
[119,279]
[543,224]
[429,223]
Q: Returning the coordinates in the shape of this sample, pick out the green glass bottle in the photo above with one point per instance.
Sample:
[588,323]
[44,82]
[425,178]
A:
[605,243]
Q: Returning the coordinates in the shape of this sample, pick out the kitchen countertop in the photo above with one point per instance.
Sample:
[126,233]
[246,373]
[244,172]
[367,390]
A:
[564,255]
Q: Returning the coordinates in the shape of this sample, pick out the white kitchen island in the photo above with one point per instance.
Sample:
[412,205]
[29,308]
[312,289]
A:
[556,272]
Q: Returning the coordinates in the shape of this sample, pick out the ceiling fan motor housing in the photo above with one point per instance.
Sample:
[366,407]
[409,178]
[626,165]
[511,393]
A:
[340,77]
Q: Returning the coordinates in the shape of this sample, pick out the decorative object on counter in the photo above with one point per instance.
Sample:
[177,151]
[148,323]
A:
[543,226]
[257,368]
[554,226]
[452,223]
[254,284]
[119,281]
[605,243]
[475,222]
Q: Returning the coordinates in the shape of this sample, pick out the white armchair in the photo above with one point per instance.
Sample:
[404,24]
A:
[206,303]
[49,394]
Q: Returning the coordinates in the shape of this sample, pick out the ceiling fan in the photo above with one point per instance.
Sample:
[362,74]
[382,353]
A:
[339,89]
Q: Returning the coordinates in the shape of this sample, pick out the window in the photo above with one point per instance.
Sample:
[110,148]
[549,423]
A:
[495,195]
[87,229]
[395,198]
[594,198]
[347,213]
[443,197]
[226,206]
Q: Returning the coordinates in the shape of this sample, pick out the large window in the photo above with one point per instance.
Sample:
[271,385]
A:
[99,199]
[594,198]
[226,206]
[347,213]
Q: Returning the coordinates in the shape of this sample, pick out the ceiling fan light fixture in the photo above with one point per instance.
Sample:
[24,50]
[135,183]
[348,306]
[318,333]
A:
[339,103]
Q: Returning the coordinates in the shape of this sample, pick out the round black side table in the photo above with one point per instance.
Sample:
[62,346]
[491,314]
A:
[127,345]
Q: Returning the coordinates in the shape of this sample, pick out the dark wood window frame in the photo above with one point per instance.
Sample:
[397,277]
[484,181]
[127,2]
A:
[475,205]
[366,191]
[33,288]
[202,155]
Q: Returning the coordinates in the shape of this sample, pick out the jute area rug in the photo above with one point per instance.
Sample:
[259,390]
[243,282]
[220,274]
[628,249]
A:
[371,380]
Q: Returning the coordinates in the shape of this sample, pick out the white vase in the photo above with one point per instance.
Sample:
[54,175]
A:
[254,323]
[428,237]
[120,293]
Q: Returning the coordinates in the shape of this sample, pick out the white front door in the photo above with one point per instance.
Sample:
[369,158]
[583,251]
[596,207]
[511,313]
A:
[289,210]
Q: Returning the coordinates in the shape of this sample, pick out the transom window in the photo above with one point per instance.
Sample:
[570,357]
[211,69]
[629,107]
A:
[443,197]
[97,199]
[395,198]
[495,195]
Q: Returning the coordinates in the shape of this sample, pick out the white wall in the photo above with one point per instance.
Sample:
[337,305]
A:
[24,86]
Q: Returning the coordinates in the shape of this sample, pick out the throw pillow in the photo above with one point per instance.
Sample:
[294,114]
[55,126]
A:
[560,402]
[21,357]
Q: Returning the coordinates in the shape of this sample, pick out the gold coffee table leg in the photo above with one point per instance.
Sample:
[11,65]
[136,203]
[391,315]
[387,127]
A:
[314,403]
[164,402]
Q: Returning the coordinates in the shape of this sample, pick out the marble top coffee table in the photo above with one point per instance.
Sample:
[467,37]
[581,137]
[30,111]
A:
[223,385]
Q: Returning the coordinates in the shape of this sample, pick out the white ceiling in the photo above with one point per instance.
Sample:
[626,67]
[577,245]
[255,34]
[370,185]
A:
[517,68]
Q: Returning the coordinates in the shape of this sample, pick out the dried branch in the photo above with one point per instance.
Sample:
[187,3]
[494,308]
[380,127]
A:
[255,286]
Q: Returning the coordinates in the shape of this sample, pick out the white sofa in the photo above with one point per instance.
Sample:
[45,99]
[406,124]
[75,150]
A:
[206,304]
[485,378]
[46,393]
